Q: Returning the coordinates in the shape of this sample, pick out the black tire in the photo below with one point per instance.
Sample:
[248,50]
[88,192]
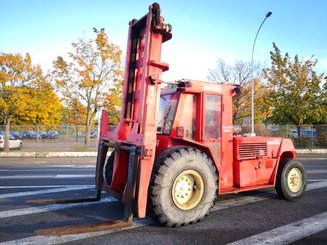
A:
[109,168]
[170,202]
[291,180]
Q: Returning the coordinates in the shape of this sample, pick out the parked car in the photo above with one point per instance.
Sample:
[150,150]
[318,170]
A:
[42,135]
[237,130]
[306,133]
[15,134]
[93,134]
[13,143]
[53,135]
[27,134]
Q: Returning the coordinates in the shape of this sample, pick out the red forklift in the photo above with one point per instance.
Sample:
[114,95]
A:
[174,150]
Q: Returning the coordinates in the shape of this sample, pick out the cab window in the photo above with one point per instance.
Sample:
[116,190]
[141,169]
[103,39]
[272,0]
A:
[212,117]
[188,118]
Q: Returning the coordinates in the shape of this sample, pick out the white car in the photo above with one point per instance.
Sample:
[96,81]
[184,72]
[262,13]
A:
[13,143]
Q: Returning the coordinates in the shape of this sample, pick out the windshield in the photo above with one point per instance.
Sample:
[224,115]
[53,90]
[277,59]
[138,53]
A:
[167,109]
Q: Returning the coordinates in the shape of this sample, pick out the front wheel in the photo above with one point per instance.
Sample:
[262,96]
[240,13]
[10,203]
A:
[183,187]
[291,179]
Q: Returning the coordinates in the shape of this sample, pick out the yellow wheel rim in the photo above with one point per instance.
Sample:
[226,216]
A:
[188,189]
[294,180]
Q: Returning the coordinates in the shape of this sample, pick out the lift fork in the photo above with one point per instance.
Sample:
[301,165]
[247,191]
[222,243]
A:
[127,198]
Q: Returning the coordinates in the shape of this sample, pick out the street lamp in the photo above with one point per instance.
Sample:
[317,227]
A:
[252,86]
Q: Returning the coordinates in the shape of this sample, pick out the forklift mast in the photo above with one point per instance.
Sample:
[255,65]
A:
[136,133]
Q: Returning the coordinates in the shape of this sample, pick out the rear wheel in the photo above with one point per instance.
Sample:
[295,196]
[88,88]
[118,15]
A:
[291,179]
[183,187]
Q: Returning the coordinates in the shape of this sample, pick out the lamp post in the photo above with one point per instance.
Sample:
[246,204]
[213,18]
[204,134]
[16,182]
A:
[252,83]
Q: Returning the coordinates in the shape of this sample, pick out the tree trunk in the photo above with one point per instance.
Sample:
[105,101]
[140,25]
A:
[76,131]
[37,132]
[6,135]
[299,132]
[87,134]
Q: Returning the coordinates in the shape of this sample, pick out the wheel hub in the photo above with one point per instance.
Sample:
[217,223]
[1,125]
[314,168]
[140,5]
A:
[294,180]
[188,189]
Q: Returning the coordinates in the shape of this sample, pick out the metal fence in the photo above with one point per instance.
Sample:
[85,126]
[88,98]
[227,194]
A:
[53,138]
[71,137]
[305,136]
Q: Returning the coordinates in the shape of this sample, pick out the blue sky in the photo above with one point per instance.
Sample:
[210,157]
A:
[203,31]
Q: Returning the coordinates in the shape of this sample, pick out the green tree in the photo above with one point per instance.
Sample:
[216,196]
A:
[95,64]
[296,92]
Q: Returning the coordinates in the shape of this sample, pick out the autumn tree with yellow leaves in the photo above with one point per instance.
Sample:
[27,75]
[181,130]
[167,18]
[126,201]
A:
[25,97]
[94,66]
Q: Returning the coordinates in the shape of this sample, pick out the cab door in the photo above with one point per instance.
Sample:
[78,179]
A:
[212,126]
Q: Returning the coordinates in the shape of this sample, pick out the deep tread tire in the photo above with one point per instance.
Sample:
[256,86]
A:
[166,171]
[282,182]
[109,168]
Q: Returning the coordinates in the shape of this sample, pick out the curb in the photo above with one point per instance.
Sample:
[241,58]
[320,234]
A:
[94,153]
[48,154]
[311,151]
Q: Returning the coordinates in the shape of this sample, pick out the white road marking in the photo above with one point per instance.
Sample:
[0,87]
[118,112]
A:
[317,171]
[237,202]
[41,186]
[252,199]
[139,223]
[69,238]
[68,176]
[48,208]
[221,205]
[288,233]
[316,185]
[32,193]
[46,170]
[49,176]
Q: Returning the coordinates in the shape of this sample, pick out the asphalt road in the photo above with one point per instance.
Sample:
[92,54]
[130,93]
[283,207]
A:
[249,218]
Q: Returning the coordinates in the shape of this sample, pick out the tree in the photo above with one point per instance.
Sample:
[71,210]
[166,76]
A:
[95,64]
[296,92]
[240,73]
[75,113]
[16,74]
[113,102]
[43,107]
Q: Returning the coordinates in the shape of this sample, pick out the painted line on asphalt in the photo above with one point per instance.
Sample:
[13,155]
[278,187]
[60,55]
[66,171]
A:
[68,176]
[219,206]
[253,199]
[288,233]
[44,170]
[39,192]
[316,185]
[137,222]
[49,208]
[72,176]
[317,171]
[49,176]
[42,186]
[231,203]
[40,240]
